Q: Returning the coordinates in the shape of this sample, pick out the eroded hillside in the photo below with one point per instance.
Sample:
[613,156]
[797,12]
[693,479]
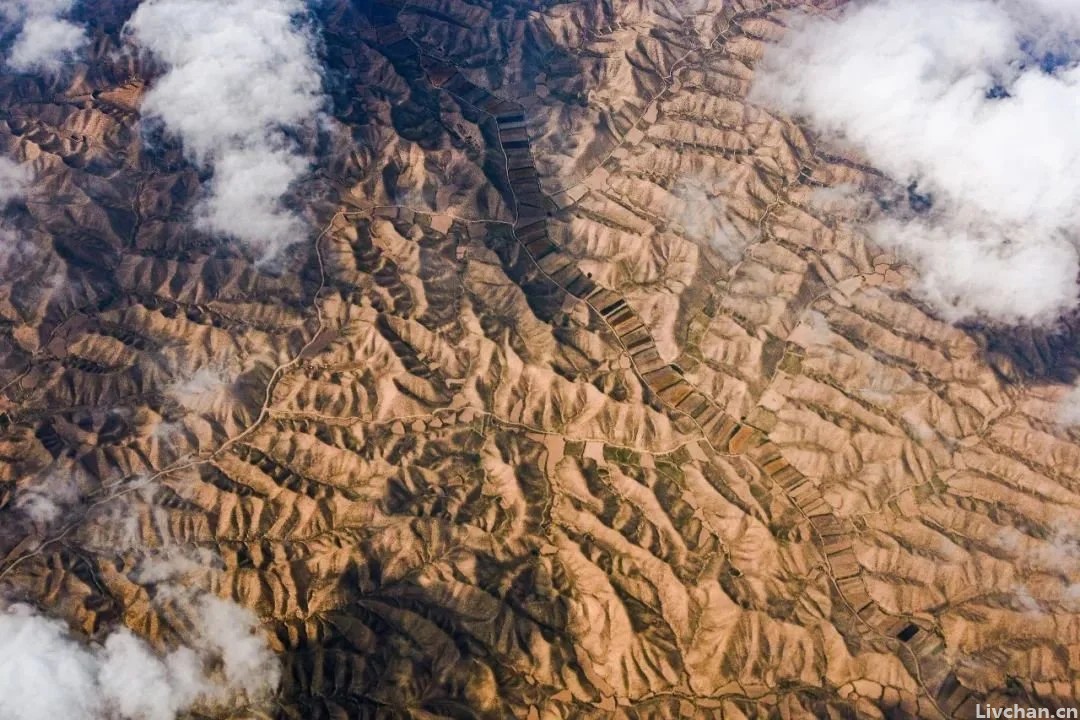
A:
[586,398]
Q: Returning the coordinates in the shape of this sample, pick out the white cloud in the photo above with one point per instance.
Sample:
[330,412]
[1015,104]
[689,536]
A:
[21,255]
[906,83]
[45,40]
[705,216]
[137,684]
[1057,553]
[13,181]
[45,673]
[203,391]
[173,565]
[1069,407]
[46,497]
[228,631]
[239,72]
[974,270]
